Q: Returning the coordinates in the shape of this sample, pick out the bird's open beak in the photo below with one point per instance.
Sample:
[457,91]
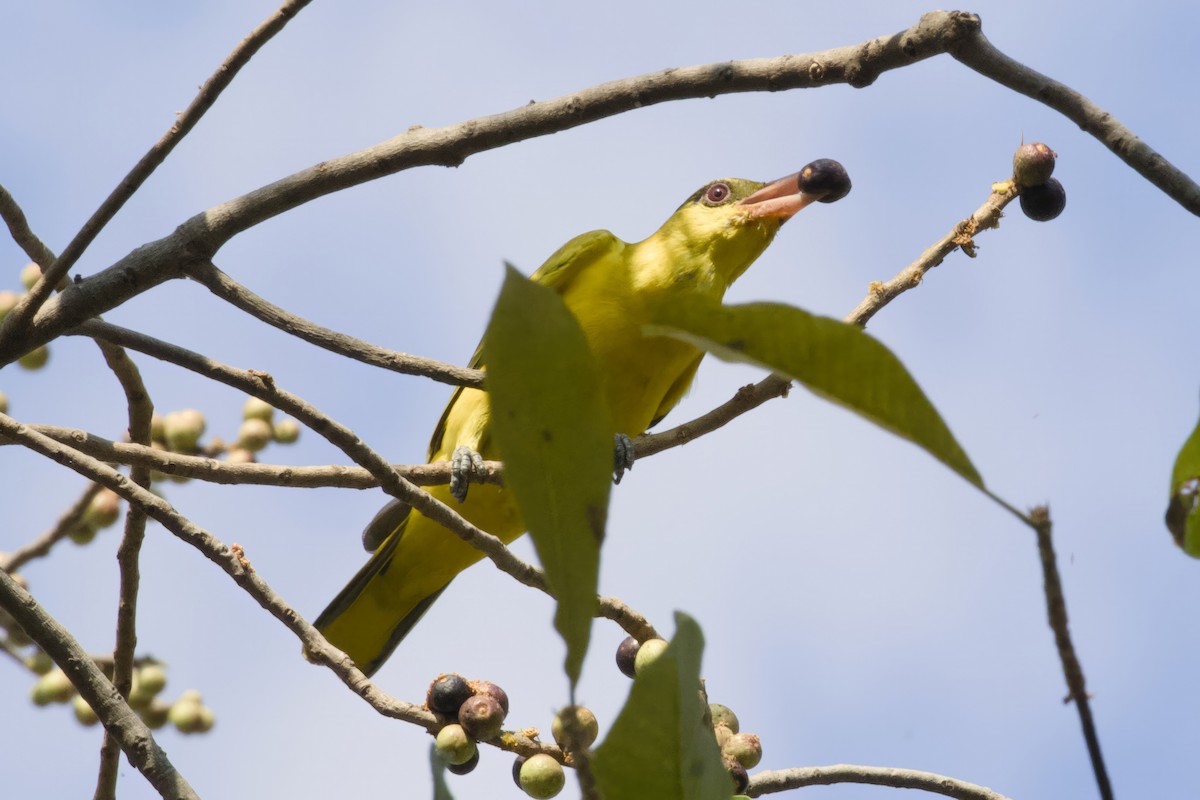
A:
[781,199]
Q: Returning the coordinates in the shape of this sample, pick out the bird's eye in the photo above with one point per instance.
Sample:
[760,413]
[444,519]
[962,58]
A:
[716,194]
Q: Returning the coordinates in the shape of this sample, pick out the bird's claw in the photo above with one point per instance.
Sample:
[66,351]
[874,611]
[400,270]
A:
[623,456]
[464,464]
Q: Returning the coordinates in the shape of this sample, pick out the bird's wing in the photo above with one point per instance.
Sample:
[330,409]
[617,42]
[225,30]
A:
[556,273]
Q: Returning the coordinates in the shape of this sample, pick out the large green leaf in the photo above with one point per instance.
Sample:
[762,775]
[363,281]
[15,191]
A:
[1183,510]
[554,434]
[659,746]
[836,360]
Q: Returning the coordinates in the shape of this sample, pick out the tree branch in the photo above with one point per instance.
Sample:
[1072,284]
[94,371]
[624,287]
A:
[211,277]
[62,527]
[118,718]
[1056,606]
[209,92]
[785,779]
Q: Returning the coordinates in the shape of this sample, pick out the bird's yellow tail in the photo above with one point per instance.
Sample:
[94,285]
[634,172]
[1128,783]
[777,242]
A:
[406,574]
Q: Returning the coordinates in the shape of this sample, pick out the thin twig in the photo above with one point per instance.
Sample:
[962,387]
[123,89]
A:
[22,234]
[128,553]
[211,277]
[118,718]
[213,470]
[183,124]
[1056,607]
[66,523]
[784,779]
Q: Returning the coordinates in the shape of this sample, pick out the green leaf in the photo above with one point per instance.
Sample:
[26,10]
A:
[555,436]
[834,359]
[440,790]
[1183,510]
[659,745]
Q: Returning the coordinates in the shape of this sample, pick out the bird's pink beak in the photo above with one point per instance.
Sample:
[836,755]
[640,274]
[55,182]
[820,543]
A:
[780,199]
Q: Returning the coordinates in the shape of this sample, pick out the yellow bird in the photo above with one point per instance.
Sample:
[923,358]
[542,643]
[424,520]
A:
[613,288]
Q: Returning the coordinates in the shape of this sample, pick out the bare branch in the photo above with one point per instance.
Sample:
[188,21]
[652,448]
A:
[784,779]
[22,234]
[210,276]
[1056,606]
[140,412]
[118,718]
[209,92]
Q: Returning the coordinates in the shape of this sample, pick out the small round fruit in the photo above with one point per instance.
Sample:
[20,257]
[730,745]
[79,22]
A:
[454,746]
[491,690]
[206,720]
[3,403]
[84,712]
[8,301]
[254,408]
[626,655]
[464,768]
[745,747]
[1033,164]
[82,534]
[722,734]
[183,429]
[254,435]
[35,358]
[825,177]
[286,431]
[157,428]
[40,663]
[155,714]
[575,722]
[516,769]
[185,716]
[1044,202]
[648,653]
[723,715]
[53,687]
[447,693]
[738,773]
[481,716]
[152,678]
[31,273]
[542,777]
[103,510]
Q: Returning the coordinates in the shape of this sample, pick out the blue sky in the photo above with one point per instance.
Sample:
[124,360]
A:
[860,602]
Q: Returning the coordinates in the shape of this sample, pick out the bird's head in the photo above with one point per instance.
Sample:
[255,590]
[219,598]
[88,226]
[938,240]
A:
[729,222]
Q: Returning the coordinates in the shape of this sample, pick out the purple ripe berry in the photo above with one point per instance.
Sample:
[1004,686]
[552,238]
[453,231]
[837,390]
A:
[825,177]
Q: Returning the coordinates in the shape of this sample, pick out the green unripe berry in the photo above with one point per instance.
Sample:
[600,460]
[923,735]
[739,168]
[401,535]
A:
[254,434]
[722,734]
[3,403]
[35,358]
[53,687]
[103,510]
[454,746]
[648,653]
[157,428]
[84,712]
[745,747]
[152,679]
[40,663]
[82,534]
[183,429]
[155,715]
[206,720]
[542,777]
[723,715]
[575,728]
[254,408]
[31,273]
[8,301]
[286,431]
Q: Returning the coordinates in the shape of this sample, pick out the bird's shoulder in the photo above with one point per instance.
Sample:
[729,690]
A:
[576,255]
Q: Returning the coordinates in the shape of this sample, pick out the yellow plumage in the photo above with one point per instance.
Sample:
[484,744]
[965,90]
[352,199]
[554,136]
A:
[613,289]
